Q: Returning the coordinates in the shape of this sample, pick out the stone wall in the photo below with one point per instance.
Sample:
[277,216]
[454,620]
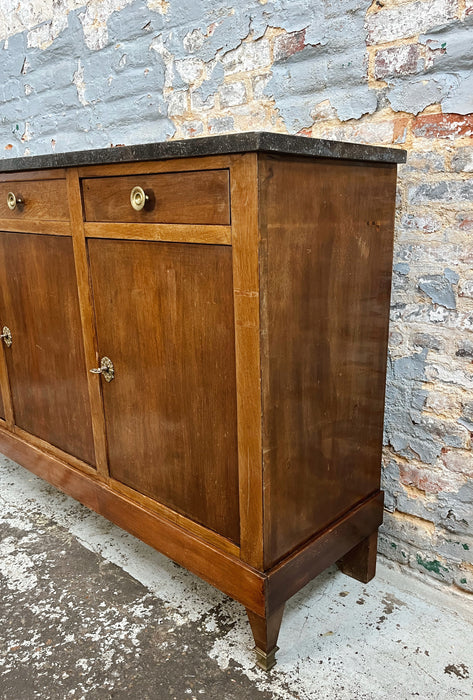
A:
[78,75]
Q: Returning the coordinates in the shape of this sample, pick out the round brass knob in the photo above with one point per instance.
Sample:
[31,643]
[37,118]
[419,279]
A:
[12,201]
[138,198]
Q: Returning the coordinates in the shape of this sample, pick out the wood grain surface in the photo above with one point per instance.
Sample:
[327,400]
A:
[175,233]
[326,258]
[41,200]
[46,366]
[228,573]
[174,198]
[165,318]
[244,197]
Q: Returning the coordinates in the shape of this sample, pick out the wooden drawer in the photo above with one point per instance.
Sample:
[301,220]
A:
[196,197]
[41,200]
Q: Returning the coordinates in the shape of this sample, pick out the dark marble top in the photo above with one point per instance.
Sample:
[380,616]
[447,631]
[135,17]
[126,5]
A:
[263,141]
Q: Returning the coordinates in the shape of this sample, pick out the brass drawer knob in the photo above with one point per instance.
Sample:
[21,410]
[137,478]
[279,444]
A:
[6,336]
[138,198]
[106,369]
[13,201]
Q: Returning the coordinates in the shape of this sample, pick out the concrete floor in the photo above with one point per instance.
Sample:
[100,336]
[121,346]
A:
[87,611]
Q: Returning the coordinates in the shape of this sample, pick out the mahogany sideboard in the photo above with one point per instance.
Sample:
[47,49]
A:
[194,346]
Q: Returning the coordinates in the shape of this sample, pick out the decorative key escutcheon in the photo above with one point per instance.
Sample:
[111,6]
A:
[106,369]
[6,336]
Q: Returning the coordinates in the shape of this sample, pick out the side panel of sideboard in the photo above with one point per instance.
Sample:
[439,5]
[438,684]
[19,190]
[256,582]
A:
[325,266]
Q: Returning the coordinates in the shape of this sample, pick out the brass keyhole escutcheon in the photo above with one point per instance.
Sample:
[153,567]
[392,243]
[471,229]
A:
[138,198]
[106,369]
[13,201]
[6,336]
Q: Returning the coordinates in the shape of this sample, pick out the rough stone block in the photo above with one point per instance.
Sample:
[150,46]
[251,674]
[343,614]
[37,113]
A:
[465,350]
[259,83]
[426,340]
[287,45]
[392,548]
[424,223]
[454,509]
[408,19]
[381,132]
[454,548]
[425,162]
[439,289]
[408,530]
[431,481]
[465,221]
[462,161]
[411,367]
[418,505]
[442,403]
[463,578]
[447,191]
[221,125]
[232,94]
[190,69]
[468,410]
[249,56]
[443,126]
[390,484]
[397,60]
[434,565]
[177,103]
[447,431]
[192,128]
[459,461]
[199,104]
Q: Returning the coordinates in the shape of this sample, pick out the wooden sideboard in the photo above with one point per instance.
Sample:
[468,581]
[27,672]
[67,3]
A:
[194,346]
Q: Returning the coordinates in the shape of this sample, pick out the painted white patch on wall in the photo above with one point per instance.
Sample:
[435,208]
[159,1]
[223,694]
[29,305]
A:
[78,80]
[94,21]
[17,16]
[43,36]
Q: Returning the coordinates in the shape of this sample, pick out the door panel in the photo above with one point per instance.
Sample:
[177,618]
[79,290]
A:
[164,316]
[46,365]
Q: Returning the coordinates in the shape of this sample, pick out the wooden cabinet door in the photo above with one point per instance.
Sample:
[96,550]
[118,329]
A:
[164,314]
[46,365]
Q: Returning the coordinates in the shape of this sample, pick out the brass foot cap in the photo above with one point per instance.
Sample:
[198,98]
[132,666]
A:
[266,660]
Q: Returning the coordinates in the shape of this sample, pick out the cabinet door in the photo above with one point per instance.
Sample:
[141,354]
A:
[46,364]
[164,315]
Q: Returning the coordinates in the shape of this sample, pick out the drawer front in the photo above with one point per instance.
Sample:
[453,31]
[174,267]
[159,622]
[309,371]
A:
[43,200]
[197,197]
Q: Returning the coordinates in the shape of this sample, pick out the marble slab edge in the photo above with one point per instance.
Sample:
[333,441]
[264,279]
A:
[262,141]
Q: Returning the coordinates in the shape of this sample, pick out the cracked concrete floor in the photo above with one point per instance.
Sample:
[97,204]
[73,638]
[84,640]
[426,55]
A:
[87,611]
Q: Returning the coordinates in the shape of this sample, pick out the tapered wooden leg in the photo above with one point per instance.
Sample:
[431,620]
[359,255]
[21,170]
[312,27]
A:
[265,632]
[360,562]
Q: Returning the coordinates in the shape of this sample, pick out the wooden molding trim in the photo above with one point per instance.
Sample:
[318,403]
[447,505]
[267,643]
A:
[48,228]
[224,571]
[326,548]
[53,174]
[155,166]
[175,233]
